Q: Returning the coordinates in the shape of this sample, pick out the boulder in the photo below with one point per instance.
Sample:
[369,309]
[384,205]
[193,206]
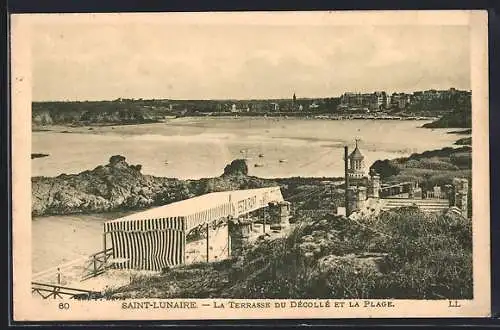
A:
[365,262]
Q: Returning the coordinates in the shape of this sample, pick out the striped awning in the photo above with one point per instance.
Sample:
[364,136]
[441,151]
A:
[151,244]
[156,238]
[209,207]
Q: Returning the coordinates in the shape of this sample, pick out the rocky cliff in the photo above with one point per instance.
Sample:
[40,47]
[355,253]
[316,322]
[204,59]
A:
[120,186]
[92,113]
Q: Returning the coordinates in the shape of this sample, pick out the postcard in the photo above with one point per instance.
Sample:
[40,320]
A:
[250,165]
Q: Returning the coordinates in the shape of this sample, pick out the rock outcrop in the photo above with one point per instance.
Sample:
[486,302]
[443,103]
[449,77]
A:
[92,113]
[114,186]
[118,186]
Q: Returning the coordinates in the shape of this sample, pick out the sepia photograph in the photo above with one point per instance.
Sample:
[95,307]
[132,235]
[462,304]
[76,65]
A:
[220,165]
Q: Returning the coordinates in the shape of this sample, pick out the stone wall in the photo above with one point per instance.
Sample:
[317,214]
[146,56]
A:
[356,198]
[460,195]
[457,194]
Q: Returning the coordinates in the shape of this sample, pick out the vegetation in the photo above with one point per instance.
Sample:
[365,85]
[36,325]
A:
[403,254]
[452,161]
[384,168]
[97,112]
[456,119]
[449,162]
[447,101]
[464,141]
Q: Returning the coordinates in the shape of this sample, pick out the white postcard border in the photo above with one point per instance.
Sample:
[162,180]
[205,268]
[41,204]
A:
[28,309]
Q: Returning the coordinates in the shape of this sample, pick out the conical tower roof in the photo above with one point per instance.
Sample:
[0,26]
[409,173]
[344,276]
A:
[356,154]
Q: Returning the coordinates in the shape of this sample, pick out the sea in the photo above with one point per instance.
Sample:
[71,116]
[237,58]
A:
[192,148]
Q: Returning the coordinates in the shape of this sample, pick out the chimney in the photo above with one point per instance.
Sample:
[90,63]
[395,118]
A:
[346,175]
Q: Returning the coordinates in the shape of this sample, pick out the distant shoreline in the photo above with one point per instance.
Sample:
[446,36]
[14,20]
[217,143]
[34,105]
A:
[275,116]
[309,115]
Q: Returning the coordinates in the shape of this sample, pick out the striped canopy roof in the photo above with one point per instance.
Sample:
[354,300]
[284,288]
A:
[209,207]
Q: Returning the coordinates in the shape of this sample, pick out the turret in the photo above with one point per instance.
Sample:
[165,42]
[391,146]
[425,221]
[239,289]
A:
[356,163]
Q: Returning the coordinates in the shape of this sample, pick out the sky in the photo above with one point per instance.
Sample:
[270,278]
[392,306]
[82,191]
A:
[106,61]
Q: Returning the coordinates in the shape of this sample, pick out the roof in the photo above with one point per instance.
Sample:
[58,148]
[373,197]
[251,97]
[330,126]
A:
[194,205]
[356,154]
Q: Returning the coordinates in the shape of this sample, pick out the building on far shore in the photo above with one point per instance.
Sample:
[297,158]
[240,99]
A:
[370,101]
[275,106]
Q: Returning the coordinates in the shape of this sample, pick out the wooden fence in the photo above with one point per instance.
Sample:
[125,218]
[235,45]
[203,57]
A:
[97,264]
[47,291]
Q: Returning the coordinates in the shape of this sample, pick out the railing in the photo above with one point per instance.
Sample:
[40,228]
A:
[396,185]
[97,264]
[432,195]
[396,189]
[47,291]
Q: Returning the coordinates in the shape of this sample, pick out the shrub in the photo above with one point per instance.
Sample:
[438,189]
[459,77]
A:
[384,168]
[432,164]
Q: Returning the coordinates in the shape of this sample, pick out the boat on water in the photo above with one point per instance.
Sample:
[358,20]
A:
[261,155]
[283,160]
[258,165]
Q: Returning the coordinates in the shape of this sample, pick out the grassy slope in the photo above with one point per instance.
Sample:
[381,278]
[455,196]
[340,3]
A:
[464,141]
[428,168]
[424,257]
[459,119]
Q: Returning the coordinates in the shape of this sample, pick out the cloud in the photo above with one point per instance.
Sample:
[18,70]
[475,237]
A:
[84,61]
